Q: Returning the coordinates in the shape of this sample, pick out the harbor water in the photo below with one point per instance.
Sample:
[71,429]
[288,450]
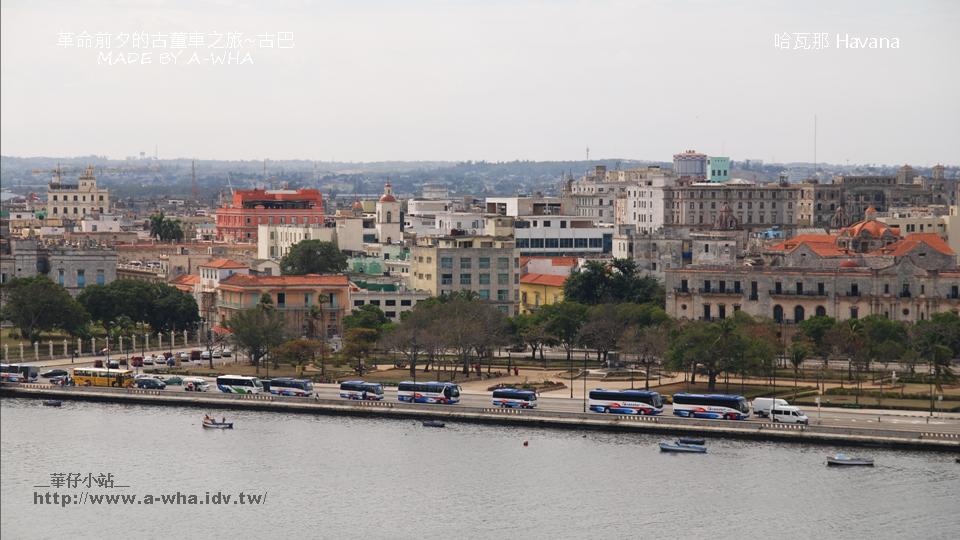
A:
[347,477]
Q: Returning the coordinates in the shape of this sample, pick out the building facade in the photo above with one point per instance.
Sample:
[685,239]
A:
[74,201]
[486,265]
[248,209]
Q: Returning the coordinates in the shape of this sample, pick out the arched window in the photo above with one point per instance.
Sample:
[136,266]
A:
[821,311]
[778,313]
[798,314]
[389,217]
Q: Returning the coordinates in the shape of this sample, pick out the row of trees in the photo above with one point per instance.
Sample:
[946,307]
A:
[37,304]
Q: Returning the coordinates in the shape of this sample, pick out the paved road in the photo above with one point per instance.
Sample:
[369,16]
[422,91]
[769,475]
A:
[885,419]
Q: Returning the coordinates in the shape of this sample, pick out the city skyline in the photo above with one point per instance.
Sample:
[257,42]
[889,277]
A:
[430,81]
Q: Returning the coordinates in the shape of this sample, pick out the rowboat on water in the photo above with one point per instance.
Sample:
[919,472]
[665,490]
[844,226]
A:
[433,423]
[217,425]
[842,460]
[52,402]
[691,440]
[683,448]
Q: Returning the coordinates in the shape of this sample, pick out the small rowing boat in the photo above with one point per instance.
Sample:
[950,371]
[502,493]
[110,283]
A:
[52,403]
[841,460]
[218,425]
[683,448]
[691,440]
[433,423]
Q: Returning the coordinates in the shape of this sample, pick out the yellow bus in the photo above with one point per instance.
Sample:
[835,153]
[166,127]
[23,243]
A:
[103,377]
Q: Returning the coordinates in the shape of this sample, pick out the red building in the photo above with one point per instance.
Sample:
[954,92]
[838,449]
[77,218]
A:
[238,221]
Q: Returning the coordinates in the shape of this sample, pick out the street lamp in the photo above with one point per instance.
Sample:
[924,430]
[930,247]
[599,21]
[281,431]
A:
[584,381]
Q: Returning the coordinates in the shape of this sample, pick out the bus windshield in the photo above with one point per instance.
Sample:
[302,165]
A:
[451,391]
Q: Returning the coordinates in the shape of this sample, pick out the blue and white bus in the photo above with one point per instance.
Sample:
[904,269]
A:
[714,406]
[361,390]
[511,397]
[238,384]
[285,386]
[428,392]
[626,401]
[10,373]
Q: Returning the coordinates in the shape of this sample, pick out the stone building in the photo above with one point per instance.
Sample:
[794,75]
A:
[74,201]
[72,266]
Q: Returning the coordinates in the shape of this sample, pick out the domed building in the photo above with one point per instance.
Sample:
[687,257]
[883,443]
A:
[867,235]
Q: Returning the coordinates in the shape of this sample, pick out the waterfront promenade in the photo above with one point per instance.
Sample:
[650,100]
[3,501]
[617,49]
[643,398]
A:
[943,434]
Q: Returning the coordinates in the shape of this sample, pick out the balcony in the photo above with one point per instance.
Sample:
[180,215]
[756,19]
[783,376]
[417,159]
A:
[905,294]
[794,294]
[719,292]
[852,294]
[681,290]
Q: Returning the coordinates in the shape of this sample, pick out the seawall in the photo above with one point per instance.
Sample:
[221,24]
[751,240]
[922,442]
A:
[814,434]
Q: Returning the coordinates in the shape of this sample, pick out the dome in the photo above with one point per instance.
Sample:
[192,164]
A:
[357,205]
[849,263]
[388,193]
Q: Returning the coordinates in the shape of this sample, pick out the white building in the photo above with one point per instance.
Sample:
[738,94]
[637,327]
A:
[388,217]
[275,241]
[562,235]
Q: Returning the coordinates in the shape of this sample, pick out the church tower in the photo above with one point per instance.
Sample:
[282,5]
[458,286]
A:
[388,217]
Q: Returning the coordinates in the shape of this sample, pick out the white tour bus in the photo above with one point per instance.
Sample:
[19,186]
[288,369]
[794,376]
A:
[238,384]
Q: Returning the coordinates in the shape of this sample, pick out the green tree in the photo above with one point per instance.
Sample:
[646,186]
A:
[257,331]
[296,352]
[601,329]
[648,343]
[799,350]
[816,330]
[366,316]
[313,257]
[36,304]
[165,229]
[617,282]
[563,322]
[359,342]
[161,306]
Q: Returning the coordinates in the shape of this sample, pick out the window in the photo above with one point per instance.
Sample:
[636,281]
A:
[580,243]
[503,263]
[484,262]
[101,278]
[503,295]
[405,302]
[357,303]
[596,242]
[484,294]
[374,302]
[683,285]
[552,243]
[81,279]
[536,243]
[60,277]
[390,302]
[446,279]
[854,312]
[281,298]
[484,279]
[446,262]
[466,263]
[503,279]
[566,242]
[391,314]
[466,279]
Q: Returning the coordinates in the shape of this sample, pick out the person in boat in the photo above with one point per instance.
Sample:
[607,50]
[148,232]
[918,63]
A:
[223,420]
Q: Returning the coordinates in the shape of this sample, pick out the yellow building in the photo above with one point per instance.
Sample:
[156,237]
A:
[539,290]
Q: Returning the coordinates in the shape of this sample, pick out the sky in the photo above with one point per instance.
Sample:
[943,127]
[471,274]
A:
[482,80]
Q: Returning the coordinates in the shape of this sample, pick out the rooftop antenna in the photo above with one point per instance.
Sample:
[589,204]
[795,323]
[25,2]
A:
[193,178]
[815,146]
[588,153]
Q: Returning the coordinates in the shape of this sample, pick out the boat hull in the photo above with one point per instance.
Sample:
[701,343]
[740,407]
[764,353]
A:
[218,425]
[683,448]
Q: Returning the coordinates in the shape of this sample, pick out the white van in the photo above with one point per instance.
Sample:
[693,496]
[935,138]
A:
[788,414]
[762,405]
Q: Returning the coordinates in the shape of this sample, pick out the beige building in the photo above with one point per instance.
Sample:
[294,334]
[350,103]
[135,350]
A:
[275,241]
[74,201]
[487,265]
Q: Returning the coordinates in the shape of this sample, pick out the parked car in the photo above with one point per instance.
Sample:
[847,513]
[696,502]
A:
[217,354]
[113,364]
[148,360]
[54,373]
[171,361]
[65,380]
[98,363]
[173,380]
[195,355]
[205,355]
[195,384]
[151,384]
[763,405]
[136,361]
[227,353]
[183,356]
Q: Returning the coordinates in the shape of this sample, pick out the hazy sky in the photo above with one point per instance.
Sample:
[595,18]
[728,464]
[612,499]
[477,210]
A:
[494,80]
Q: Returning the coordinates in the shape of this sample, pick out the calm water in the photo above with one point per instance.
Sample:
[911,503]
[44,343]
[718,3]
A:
[345,477]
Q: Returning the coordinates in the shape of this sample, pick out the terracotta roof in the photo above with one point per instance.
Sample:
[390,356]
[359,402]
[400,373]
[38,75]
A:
[223,263]
[908,244]
[185,279]
[549,280]
[873,227]
[793,243]
[308,280]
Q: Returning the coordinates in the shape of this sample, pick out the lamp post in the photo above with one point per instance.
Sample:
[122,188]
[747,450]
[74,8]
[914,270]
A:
[584,381]
[571,375]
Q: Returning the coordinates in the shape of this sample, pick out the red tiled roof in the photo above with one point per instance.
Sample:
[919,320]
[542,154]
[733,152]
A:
[905,246]
[793,243]
[872,226]
[224,263]
[308,280]
[549,280]
[185,279]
